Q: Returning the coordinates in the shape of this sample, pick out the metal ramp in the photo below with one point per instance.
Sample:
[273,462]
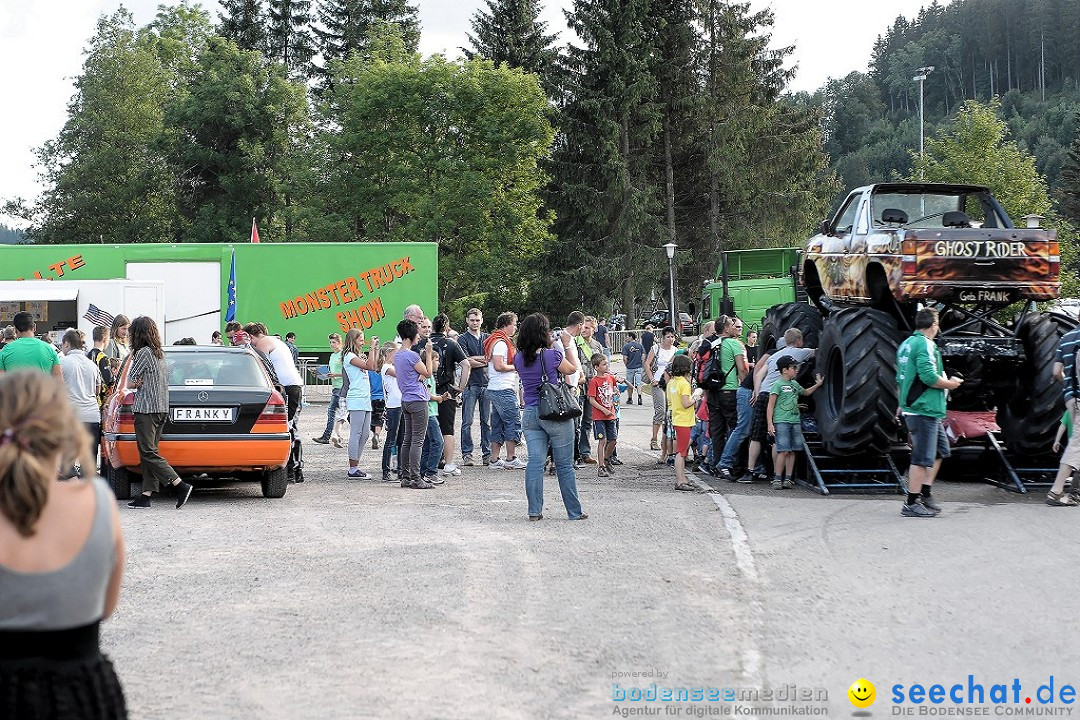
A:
[1006,469]
[823,473]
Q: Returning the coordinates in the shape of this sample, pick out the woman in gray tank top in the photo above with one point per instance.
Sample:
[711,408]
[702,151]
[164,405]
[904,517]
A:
[61,560]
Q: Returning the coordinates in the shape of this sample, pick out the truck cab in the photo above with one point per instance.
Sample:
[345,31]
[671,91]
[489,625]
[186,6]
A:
[894,244]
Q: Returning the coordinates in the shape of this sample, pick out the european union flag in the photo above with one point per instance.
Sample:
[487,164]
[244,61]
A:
[230,313]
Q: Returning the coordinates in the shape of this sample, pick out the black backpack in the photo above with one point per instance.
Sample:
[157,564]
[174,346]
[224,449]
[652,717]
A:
[710,376]
[445,375]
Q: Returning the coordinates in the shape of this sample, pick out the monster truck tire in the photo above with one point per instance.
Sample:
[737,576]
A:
[1029,418]
[779,318]
[856,407]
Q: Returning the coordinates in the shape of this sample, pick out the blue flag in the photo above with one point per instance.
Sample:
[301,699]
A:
[230,313]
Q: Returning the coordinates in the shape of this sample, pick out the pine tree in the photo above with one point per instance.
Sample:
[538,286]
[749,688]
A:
[763,162]
[347,27]
[243,23]
[605,208]
[510,32]
[289,37]
[1068,191]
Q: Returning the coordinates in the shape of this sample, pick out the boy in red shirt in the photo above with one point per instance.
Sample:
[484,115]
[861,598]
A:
[602,390]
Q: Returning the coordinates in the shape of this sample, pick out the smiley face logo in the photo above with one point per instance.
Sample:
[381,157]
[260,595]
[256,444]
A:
[862,693]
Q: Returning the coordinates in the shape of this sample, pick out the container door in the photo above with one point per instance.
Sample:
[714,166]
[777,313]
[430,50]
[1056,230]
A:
[192,297]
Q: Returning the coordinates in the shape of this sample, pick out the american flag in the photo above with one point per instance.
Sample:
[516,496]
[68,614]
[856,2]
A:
[98,316]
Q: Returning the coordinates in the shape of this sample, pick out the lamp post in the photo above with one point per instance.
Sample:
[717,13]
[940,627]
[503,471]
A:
[921,78]
[670,250]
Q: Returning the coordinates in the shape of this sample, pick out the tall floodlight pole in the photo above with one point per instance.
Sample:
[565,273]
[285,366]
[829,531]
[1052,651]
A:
[670,250]
[921,78]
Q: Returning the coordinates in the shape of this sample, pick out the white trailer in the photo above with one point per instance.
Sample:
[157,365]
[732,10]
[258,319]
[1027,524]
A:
[62,305]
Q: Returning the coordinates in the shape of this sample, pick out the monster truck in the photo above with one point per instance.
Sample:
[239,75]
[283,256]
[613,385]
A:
[893,248]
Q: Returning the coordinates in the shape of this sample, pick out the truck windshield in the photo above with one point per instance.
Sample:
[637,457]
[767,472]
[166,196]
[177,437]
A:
[928,210]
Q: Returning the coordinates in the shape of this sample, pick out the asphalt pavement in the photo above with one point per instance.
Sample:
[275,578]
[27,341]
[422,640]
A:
[359,599]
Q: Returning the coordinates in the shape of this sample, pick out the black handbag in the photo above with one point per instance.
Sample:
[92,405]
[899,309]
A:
[556,400]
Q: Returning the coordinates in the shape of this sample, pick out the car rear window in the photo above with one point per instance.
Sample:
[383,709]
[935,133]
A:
[214,369]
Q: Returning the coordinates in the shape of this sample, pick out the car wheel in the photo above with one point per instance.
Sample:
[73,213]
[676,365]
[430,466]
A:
[119,480]
[275,482]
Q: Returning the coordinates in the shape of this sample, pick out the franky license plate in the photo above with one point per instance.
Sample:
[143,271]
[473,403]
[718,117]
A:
[203,414]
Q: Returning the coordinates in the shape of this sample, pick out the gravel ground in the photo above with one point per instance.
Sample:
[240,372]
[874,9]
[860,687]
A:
[350,599]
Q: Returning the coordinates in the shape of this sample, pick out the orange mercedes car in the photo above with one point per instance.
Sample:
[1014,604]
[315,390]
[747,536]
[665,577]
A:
[225,421]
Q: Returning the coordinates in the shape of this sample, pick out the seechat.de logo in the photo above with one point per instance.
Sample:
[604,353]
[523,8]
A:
[862,693]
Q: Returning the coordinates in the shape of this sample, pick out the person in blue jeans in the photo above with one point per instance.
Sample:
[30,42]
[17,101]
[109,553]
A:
[536,360]
[729,459]
[336,378]
[472,342]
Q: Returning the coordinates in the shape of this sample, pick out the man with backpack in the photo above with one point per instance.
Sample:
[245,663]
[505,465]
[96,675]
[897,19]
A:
[451,358]
[721,374]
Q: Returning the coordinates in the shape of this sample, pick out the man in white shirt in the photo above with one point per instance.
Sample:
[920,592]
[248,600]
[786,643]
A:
[503,393]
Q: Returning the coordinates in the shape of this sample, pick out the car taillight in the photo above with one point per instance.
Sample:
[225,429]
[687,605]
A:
[126,410]
[907,264]
[1053,253]
[274,412]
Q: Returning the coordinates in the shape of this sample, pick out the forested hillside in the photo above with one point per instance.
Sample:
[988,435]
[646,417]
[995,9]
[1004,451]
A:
[1024,51]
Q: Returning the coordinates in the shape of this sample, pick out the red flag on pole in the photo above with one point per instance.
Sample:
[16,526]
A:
[254,232]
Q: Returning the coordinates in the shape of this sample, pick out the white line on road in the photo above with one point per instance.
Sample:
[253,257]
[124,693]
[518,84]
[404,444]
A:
[740,541]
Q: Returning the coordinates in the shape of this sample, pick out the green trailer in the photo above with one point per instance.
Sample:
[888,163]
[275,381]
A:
[749,282]
[311,289]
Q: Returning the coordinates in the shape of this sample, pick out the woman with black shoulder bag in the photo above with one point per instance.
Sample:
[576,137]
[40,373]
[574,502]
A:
[539,366]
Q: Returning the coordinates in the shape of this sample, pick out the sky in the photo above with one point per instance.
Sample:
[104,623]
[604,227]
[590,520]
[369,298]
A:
[42,44]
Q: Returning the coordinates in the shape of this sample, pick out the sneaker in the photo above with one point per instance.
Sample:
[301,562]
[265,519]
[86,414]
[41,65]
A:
[931,504]
[374,442]
[357,474]
[468,461]
[450,470]
[442,464]
[183,492]
[745,479]
[321,440]
[434,479]
[671,460]
[420,484]
[534,518]
[653,445]
[1054,499]
[917,509]
[486,460]
[725,474]
[140,502]
[615,461]
[610,470]
[639,401]
[578,464]
[788,484]
[582,516]
[387,476]
[515,464]
[775,484]
[498,464]
[602,472]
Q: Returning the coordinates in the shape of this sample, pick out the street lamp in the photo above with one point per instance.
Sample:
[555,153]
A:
[921,78]
[670,250]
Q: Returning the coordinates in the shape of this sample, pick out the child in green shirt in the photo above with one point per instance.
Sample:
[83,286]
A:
[785,424]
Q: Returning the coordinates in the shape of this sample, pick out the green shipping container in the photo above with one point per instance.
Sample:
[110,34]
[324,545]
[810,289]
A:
[311,289]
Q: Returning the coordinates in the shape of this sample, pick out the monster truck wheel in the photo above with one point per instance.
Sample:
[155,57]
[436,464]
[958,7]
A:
[119,480]
[1029,418]
[779,318]
[275,483]
[856,407]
